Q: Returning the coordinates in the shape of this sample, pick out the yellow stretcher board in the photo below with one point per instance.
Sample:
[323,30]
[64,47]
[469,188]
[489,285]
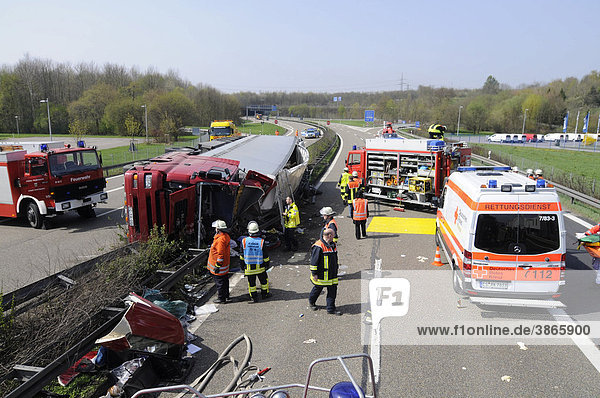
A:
[398,225]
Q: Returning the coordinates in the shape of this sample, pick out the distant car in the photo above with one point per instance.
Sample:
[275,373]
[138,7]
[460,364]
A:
[517,139]
[500,137]
[311,132]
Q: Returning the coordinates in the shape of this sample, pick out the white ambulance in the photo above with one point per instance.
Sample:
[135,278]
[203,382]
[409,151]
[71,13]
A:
[503,234]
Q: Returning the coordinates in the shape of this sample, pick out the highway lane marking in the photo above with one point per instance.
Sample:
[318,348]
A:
[112,178]
[585,344]
[113,190]
[110,211]
[233,281]
[376,331]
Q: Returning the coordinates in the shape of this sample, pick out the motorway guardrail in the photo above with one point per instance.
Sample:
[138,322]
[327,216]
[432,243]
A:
[571,193]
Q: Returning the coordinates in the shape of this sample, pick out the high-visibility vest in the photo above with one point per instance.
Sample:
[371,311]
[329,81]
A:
[218,256]
[253,255]
[292,216]
[594,230]
[360,209]
[353,187]
[332,224]
[344,182]
[326,269]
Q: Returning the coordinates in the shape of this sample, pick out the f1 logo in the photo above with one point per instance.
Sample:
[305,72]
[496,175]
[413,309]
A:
[388,297]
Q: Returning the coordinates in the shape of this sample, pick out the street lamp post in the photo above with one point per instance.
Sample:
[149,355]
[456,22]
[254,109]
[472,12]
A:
[17,119]
[48,108]
[146,120]
[458,126]
[524,118]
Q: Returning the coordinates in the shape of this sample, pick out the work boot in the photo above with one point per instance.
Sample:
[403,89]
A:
[266,295]
[219,301]
[253,298]
[313,306]
[335,312]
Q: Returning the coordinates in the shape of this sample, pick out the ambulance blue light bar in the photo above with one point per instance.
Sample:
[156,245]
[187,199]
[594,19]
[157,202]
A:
[483,168]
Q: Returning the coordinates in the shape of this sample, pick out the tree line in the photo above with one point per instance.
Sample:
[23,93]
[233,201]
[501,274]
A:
[89,99]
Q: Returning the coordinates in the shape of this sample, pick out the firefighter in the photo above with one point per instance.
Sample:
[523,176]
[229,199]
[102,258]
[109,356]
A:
[529,173]
[353,188]
[328,213]
[324,270]
[254,256]
[539,174]
[436,131]
[343,184]
[291,217]
[218,261]
[360,215]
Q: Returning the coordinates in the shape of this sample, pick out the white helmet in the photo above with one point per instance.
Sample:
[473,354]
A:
[253,227]
[346,169]
[538,172]
[355,173]
[219,224]
[327,211]
[529,171]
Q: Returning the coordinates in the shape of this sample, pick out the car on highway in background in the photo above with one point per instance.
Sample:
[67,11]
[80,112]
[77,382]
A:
[311,132]
[500,137]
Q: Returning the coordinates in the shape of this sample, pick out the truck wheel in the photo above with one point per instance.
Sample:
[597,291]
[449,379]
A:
[36,220]
[456,282]
[87,211]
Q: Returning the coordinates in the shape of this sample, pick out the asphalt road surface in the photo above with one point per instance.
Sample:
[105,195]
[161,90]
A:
[287,335]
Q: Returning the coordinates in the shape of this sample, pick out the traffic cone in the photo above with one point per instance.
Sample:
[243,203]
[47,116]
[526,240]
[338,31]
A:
[438,258]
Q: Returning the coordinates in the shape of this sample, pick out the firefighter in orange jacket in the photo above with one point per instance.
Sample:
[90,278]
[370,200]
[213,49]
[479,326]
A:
[218,261]
[324,271]
[328,213]
[360,215]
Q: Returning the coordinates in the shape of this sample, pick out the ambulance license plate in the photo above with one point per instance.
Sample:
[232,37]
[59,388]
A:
[493,285]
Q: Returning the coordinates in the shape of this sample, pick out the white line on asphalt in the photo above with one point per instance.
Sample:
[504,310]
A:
[110,211]
[112,178]
[376,331]
[578,220]
[200,319]
[585,344]
[332,164]
[113,190]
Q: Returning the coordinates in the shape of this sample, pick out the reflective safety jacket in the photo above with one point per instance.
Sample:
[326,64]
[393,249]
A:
[218,256]
[352,190]
[343,182]
[254,255]
[594,230]
[360,209]
[332,224]
[324,263]
[291,216]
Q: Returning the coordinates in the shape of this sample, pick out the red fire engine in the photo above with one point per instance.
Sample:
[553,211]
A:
[406,171]
[39,180]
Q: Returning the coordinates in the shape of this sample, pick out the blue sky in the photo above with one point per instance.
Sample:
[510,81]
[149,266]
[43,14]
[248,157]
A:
[325,45]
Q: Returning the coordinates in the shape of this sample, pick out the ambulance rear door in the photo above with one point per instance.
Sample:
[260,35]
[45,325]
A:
[541,244]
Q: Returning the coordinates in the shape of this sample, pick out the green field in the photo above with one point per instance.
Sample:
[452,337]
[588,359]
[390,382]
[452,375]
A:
[574,169]
[260,128]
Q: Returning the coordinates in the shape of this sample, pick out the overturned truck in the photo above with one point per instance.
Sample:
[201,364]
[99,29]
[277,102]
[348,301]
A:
[186,190]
